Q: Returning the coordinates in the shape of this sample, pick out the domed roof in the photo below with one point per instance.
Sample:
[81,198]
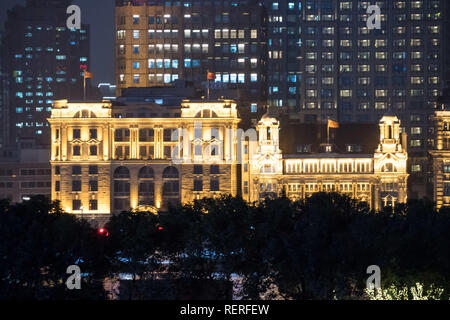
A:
[269,116]
[266,116]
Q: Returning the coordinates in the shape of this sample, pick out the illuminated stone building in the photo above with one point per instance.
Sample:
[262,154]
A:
[106,158]
[378,178]
[441,154]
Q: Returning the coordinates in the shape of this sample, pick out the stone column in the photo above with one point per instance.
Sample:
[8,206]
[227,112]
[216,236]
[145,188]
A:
[105,142]
[376,196]
[112,148]
[64,142]
[134,142]
[158,189]
[134,187]
[159,148]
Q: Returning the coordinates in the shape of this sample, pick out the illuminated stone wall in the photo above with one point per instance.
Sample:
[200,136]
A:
[441,159]
[103,164]
[379,179]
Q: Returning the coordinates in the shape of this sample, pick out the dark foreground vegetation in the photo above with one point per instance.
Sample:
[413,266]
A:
[315,249]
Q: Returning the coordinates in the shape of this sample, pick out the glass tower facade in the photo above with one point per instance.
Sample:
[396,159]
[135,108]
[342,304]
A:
[313,60]
[324,61]
[43,61]
[159,42]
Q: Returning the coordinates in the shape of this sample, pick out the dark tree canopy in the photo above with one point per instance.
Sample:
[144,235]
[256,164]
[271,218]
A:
[318,248]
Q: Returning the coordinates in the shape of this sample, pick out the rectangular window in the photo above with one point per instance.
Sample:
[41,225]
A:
[93,185]
[214,169]
[446,189]
[93,150]
[92,134]
[168,135]
[76,134]
[215,184]
[76,151]
[57,186]
[93,205]
[76,170]
[198,169]
[76,204]
[198,185]
[76,185]
[93,169]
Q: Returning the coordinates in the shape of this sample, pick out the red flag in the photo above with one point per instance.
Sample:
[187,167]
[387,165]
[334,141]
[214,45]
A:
[87,75]
[333,124]
[211,76]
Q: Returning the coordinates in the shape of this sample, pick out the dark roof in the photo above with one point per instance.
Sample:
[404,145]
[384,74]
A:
[295,134]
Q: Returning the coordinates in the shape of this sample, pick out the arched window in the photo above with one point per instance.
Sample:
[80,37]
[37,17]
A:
[121,189]
[170,172]
[122,172]
[206,113]
[267,168]
[85,114]
[146,173]
[389,167]
[146,187]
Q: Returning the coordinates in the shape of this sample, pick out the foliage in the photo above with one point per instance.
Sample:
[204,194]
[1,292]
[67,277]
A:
[135,241]
[318,248]
[416,292]
[37,244]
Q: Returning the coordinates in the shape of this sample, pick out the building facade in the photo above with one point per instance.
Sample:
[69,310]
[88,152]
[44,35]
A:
[158,42]
[42,61]
[441,159]
[315,59]
[380,178]
[108,158]
[441,154]
[25,175]
[337,67]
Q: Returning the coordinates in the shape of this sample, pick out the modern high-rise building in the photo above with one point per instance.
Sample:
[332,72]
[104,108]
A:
[323,58]
[158,42]
[3,102]
[324,61]
[43,60]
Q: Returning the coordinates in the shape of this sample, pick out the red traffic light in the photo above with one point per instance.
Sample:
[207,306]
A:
[160,228]
[103,232]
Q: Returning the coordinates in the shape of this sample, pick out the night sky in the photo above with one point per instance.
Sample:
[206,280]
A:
[100,15]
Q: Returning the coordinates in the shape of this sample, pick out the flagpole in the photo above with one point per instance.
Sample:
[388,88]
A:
[328,134]
[328,131]
[207,76]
